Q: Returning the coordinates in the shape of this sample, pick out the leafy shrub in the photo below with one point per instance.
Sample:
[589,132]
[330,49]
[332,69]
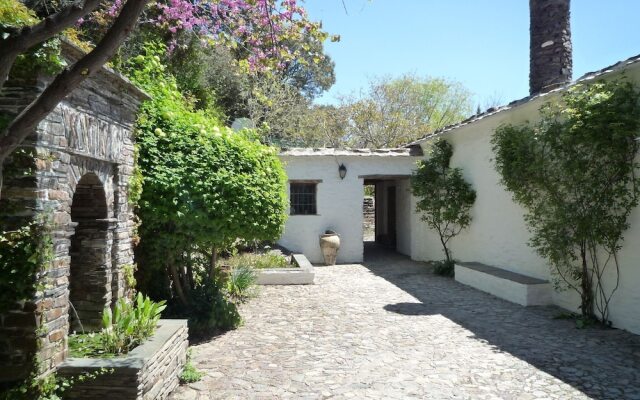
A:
[444,198]
[190,373]
[241,281]
[23,253]
[444,268]
[208,310]
[203,187]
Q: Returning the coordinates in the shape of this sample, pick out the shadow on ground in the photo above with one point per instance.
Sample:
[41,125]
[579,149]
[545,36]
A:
[601,363]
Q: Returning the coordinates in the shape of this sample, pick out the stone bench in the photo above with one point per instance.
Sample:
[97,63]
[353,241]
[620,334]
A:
[511,286]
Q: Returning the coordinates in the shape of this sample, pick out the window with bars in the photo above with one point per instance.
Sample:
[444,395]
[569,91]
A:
[302,196]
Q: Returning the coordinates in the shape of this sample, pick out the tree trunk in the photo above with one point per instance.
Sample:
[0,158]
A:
[586,305]
[447,254]
[213,262]
[29,36]
[177,285]
[191,282]
[69,79]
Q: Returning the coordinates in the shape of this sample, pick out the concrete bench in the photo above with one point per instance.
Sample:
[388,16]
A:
[511,286]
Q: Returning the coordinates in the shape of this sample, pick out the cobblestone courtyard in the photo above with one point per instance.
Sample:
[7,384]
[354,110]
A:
[389,329]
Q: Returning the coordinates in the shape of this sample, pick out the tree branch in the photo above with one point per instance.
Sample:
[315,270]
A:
[29,36]
[69,79]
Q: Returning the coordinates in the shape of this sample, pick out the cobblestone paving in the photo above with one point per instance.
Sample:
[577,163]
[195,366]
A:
[389,329]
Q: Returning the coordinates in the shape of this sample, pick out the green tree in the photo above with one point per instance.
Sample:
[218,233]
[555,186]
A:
[313,73]
[324,126]
[575,174]
[393,112]
[443,196]
[278,108]
[204,187]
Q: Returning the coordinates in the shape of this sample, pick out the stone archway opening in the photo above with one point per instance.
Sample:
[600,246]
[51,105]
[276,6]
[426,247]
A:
[90,251]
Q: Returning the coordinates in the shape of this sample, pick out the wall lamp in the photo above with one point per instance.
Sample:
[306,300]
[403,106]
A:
[342,170]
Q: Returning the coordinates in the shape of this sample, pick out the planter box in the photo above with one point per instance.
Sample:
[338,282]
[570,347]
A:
[301,274]
[150,371]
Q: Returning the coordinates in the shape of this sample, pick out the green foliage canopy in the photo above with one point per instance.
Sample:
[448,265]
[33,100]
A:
[574,172]
[203,187]
[25,253]
[393,112]
[443,196]
[203,183]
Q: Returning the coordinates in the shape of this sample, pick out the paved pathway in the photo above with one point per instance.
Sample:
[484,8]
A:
[390,329]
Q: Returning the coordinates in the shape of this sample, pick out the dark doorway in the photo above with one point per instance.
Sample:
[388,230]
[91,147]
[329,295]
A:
[90,268]
[384,221]
[369,213]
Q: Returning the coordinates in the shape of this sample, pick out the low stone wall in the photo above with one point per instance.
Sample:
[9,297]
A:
[301,274]
[148,372]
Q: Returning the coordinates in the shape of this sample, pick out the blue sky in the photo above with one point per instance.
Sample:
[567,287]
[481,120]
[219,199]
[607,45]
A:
[482,43]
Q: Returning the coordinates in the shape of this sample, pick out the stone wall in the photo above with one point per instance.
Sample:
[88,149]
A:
[149,372]
[369,215]
[87,136]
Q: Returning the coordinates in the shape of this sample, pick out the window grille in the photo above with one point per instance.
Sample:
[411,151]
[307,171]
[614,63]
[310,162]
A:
[302,196]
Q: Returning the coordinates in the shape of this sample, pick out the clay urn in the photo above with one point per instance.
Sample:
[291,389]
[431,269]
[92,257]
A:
[329,244]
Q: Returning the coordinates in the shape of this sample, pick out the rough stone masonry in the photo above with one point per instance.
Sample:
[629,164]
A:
[550,61]
[82,162]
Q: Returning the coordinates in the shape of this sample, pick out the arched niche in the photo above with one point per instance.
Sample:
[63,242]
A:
[90,267]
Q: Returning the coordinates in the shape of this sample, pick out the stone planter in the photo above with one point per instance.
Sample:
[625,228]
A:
[150,371]
[329,244]
[301,273]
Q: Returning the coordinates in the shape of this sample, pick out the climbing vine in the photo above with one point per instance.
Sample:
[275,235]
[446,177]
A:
[575,174]
[24,253]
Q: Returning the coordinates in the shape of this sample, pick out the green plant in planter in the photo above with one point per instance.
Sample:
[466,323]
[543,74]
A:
[130,323]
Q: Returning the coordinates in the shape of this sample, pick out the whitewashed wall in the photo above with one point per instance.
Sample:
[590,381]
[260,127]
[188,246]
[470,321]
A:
[404,217]
[498,235]
[339,202]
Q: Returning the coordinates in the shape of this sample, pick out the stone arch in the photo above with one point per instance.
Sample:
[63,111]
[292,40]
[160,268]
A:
[90,251]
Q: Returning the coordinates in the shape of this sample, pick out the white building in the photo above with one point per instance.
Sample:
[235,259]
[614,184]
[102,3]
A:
[498,234]
[323,200]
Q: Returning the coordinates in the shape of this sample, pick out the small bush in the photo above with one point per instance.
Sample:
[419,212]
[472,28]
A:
[209,311]
[444,268]
[190,373]
[241,283]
